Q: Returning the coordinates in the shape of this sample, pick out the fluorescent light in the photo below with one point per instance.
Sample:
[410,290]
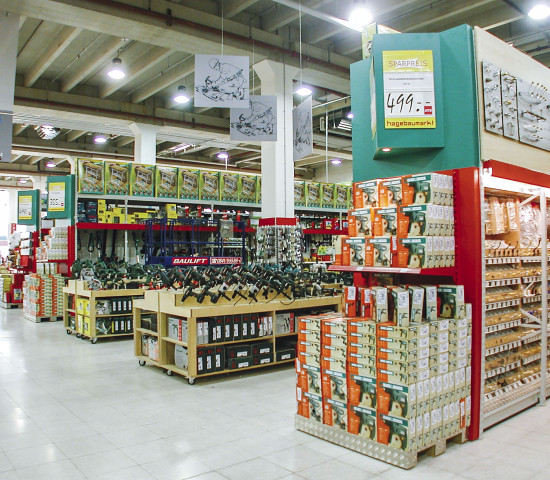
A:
[304,91]
[100,139]
[179,148]
[181,96]
[349,115]
[50,164]
[336,161]
[386,149]
[360,17]
[47,132]
[116,72]
[539,12]
[223,155]
[23,180]
[344,125]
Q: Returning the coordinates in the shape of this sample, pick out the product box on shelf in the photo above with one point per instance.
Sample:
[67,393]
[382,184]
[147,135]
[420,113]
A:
[384,222]
[142,181]
[396,400]
[362,422]
[117,178]
[335,413]
[353,252]
[396,432]
[378,252]
[360,222]
[188,183]
[310,405]
[90,176]
[209,185]
[229,187]
[327,195]
[300,194]
[390,192]
[362,391]
[415,252]
[380,299]
[420,220]
[341,196]
[313,194]
[308,377]
[450,299]
[166,182]
[399,306]
[334,384]
[365,194]
[248,186]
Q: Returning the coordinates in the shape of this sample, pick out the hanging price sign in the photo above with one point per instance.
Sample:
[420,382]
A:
[25,207]
[56,197]
[409,93]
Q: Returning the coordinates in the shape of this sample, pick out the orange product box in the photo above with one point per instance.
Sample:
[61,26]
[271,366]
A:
[334,384]
[349,301]
[362,369]
[390,192]
[361,325]
[362,391]
[310,405]
[346,254]
[384,222]
[393,431]
[379,251]
[396,400]
[336,364]
[365,302]
[361,344]
[365,194]
[312,322]
[333,340]
[362,422]
[308,377]
[360,222]
[335,414]
[338,326]
[333,352]
[307,358]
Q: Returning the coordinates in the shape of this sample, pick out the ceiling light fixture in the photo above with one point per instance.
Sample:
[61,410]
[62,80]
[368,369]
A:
[180,147]
[23,180]
[539,12]
[222,155]
[116,70]
[336,161]
[304,91]
[360,16]
[50,163]
[47,132]
[349,115]
[100,139]
[386,149]
[344,125]
[181,97]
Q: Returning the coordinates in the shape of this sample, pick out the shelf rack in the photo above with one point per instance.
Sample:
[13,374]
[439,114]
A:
[165,304]
[85,325]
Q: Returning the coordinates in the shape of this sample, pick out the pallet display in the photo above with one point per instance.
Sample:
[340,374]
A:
[93,314]
[259,334]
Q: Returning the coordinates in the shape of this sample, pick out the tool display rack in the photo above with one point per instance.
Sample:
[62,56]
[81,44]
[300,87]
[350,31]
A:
[78,289]
[515,316]
[161,247]
[169,304]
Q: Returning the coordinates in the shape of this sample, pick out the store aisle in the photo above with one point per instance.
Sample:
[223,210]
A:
[73,410]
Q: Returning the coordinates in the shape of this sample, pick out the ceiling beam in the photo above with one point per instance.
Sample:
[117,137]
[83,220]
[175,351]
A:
[64,38]
[35,159]
[233,7]
[164,80]
[153,56]
[37,146]
[18,129]
[41,28]
[74,135]
[123,141]
[283,15]
[87,66]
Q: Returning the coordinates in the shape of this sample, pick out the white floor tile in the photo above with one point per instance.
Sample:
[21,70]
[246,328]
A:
[131,436]
[63,470]
[335,469]
[297,458]
[223,455]
[80,447]
[5,464]
[104,462]
[9,475]
[30,456]
[253,470]
[132,473]
[177,468]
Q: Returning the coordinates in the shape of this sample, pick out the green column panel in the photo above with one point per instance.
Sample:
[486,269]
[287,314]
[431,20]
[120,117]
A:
[453,143]
[28,207]
[61,193]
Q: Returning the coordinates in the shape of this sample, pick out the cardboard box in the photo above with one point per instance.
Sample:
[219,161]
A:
[355,249]
[209,185]
[450,299]
[310,405]
[360,222]
[142,180]
[430,302]
[299,194]
[362,325]
[313,194]
[328,351]
[362,391]
[229,187]
[166,182]
[337,326]
[378,252]
[313,348]
[416,302]
[396,400]
[365,302]
[342,196]
[362,422]
[91,176]
[335,413]
[308,358]
[415,252]
[181,357]
[349,301]
[188,183]
[391,192]
[327,195]
[248,186]
[380,298]
[384,222]
[331,339]
[418,220]
[365,194]
[117,178]
[395,432]
[399,306]
[308,378]
[356,345]
[334,384]
[421,189]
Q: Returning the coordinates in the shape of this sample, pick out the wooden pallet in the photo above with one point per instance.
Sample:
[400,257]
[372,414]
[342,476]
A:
[34,319]
[11,305]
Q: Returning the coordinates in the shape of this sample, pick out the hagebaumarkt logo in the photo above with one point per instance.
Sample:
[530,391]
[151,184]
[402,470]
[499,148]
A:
[411,63]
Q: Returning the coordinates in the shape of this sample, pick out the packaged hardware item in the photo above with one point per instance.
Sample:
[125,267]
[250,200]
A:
[90,176]
[362,391]
[390,192]
[399,301]
[354,251]
[378,252]
[396,400]
[310,405]
[342,196]
[142,180]
[248,186]
[380,298]
[394,431]
[188,184]
[327,195]
[299,194]
[414,252]
[450,299]
[117,178]
[422,188]
[416,301]
[209,185]
[362,422]
[360,222]
[335,413]
[384,222]
[365,194]
[418,220]
[166,182]
[313,194]
[229,187]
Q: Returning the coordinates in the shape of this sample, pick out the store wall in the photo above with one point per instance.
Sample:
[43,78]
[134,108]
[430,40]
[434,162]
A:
[510,60]
[336,173]
[456,109]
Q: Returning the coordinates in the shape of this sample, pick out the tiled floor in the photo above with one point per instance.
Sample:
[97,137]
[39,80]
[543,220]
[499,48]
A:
[73,410]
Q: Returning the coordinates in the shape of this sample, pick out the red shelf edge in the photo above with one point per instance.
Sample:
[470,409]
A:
[446,271]
[323,231]
[141,226]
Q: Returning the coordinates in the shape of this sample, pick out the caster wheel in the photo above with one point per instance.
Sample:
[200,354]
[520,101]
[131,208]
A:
[69,332]
[169,373]
[191,381]
[93,340]
[78,335]
[142,363]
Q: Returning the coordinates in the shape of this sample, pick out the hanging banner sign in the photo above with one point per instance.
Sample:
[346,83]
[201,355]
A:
[257,122]
[302,126]
[25,207]
[409,92]
[6,130]
[56,197]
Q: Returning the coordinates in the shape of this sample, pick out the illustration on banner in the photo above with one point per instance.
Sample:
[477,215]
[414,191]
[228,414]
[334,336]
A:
[257,122]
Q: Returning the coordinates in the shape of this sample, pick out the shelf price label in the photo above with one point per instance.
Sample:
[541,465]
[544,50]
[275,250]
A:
[25,207]
[56,197]
[409,93]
